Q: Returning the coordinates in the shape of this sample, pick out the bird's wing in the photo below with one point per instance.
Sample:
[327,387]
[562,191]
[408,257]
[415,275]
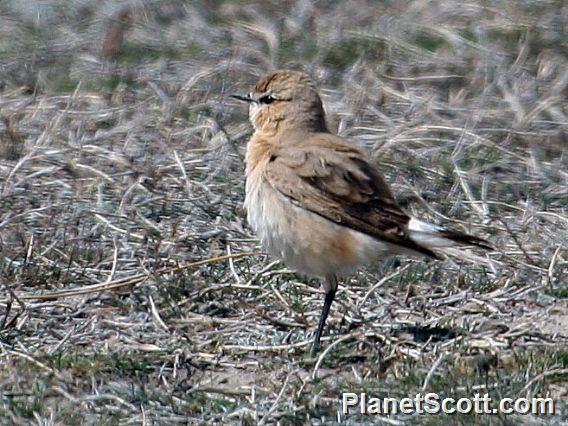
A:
[333,179]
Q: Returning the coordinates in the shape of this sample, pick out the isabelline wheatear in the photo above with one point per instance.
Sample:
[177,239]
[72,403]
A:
[315,200]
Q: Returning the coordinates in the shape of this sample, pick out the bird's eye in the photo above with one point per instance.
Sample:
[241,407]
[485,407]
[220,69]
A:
[268,99]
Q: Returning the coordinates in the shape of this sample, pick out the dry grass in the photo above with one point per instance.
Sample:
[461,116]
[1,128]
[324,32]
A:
[121,166]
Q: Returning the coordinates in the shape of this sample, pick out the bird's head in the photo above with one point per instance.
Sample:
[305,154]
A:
[285,100]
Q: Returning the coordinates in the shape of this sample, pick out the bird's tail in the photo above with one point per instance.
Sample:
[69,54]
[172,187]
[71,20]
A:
[432,236]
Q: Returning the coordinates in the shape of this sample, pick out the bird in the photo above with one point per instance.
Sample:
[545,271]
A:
[316,200]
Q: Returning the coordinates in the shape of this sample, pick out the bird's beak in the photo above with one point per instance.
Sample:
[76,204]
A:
[241,97]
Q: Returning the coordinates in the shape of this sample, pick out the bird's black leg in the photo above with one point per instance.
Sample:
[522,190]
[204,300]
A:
[330,286]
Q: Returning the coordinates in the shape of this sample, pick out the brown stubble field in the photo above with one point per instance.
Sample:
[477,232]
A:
[131,288]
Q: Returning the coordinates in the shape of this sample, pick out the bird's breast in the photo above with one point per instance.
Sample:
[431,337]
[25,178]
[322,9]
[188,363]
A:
[304,240]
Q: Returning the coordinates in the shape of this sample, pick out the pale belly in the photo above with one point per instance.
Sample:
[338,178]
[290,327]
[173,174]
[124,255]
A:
[306,241]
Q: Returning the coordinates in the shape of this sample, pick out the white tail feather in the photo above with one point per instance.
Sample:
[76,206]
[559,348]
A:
[428,235]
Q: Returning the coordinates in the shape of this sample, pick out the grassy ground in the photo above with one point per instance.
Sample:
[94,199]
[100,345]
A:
[121,163]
